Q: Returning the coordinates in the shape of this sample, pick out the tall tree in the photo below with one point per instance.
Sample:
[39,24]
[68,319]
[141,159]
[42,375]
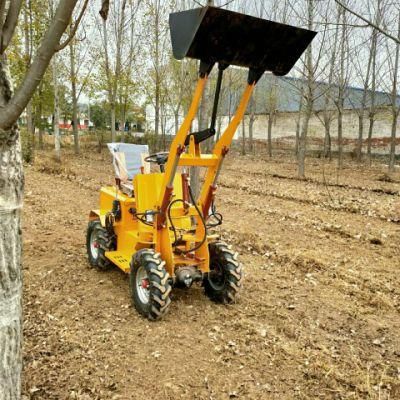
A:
[112,53]
[342,82]
[74,95]
[28,55]
[372,107]
[395,106]
[309,94]
[12,182]
[361,108]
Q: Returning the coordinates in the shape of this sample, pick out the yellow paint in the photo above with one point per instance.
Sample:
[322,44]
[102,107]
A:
[149,190]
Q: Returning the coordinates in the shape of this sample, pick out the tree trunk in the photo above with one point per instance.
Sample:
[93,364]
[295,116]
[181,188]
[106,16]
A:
[362,109]
[11,193]
[56,122]
[74,97]
[372,109]
[309,99]
[113,135]
[243,138]
[297,139]
[328,141]
[395,108]
[270,123]
[30,153]
[298,121]
[157,109]
[340,136]
[39,113]
[392,156]
[370,132]
[11,197]
[251,126]
[303,141]
[219,127]
[342,87]
[176,118]
[123,117]
[360,133]
[252,118]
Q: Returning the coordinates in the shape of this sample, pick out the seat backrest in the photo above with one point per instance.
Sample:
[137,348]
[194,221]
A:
[128,159]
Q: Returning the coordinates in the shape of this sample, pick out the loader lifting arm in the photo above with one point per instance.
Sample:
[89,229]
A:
[213,35]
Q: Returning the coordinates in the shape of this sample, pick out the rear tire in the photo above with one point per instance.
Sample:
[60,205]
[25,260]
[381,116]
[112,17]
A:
[98,241]
[149,284]
[224,280]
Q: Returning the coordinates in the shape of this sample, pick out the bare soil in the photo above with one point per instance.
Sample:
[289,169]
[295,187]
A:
[318,317]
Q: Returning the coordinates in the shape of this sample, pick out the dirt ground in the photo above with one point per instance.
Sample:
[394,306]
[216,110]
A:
[318,317]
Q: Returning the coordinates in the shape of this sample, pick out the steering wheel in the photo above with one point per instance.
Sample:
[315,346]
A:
[158,158]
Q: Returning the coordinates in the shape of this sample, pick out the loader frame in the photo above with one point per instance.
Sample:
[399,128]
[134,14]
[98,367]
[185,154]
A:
[194,158]
[275,47]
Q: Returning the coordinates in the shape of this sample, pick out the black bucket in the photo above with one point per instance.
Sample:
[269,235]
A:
[214,35]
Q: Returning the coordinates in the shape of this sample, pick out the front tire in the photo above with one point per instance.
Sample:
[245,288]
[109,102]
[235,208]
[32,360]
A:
[98,241]
[224,280]
[149,283]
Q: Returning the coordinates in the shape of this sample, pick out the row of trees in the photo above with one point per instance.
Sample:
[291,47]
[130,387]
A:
[125,63]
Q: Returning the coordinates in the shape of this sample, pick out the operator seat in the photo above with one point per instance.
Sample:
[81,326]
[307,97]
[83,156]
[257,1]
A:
[128,161]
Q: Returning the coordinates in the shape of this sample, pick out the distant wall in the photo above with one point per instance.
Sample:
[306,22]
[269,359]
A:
[284,127]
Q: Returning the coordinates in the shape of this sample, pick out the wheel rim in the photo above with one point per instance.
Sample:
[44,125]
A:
[216,276]
[94,244]
[142,285]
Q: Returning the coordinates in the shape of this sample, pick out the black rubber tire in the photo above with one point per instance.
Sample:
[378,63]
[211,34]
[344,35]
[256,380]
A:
[224,280]
[106,242]
[159,288]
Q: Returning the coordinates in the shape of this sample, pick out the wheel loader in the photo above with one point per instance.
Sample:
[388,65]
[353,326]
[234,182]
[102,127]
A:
[150,224]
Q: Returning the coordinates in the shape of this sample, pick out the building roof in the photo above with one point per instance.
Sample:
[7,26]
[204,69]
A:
[286,96]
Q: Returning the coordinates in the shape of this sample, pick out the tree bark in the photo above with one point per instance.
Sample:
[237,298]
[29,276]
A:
[38,116]
[270,123]
[251,128]
[30,127]
[328,141]
[157,107]
[113,131]
[303,140]
[75,122]
[176,120]
[342,87]
[361,114]
[395,107]
[360,132]
[309,98]
[56,122]
[252,119]
[297,138]
[340,135]
[11,190]
[11,197]
[30,153]
[370,133]
[219,127]
[372,108]
[298,121]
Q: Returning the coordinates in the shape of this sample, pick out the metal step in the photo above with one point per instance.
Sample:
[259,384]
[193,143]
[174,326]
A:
[120,259]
